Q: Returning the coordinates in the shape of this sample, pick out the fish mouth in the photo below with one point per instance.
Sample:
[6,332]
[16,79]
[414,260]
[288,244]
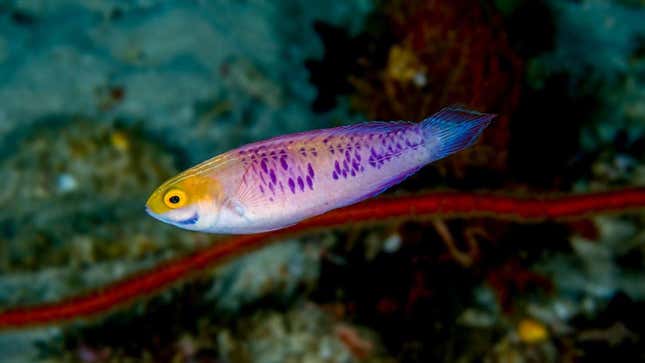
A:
[155,215]
[184,222]
[188,221]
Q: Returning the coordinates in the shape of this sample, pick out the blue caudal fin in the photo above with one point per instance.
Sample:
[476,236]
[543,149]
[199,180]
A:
[453,129]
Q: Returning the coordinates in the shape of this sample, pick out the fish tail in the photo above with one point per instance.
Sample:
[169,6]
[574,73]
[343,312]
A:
[453,129]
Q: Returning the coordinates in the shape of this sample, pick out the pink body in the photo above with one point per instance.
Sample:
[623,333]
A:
[283,180]
[274,183]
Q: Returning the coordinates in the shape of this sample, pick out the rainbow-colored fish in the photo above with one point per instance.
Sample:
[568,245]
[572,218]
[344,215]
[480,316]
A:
[278,182]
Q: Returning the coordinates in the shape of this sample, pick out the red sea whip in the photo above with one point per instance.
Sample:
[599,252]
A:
[445,204]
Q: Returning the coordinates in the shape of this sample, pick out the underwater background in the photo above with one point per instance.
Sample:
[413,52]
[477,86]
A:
[102,100]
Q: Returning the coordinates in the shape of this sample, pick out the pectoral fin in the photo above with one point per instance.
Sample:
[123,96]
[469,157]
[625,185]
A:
[237,207]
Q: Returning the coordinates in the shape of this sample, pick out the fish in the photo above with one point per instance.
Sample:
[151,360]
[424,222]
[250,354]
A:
[278,182]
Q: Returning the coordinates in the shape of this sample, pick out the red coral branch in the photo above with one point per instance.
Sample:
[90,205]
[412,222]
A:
[419,206]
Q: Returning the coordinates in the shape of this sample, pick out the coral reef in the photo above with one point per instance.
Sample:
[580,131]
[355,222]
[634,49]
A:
[444,52]
[531,258]
[206,75]
[304,333]
[589,73]
[79,217]
[62,183]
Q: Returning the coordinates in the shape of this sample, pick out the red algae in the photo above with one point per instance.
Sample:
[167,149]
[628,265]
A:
[446,52]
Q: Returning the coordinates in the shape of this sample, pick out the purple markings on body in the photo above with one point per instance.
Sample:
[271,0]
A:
[393,145]
[258,173]
[383,148]
[374,159]
[262,178]
[310,182]
[345,165]
[283,162]
[292,186]
[310,170]
[272,175]
[263,164]
[301,184]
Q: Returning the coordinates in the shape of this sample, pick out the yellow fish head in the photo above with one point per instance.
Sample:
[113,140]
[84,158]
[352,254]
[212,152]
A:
[189,200]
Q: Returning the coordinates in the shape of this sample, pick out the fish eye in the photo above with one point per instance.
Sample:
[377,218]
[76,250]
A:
[175,198]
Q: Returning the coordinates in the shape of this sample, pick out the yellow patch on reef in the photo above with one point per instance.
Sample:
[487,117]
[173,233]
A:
[403,65]
[120,141]
[532,331]
[195,188]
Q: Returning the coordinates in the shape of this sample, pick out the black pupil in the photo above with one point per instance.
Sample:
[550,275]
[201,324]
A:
[174,199]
